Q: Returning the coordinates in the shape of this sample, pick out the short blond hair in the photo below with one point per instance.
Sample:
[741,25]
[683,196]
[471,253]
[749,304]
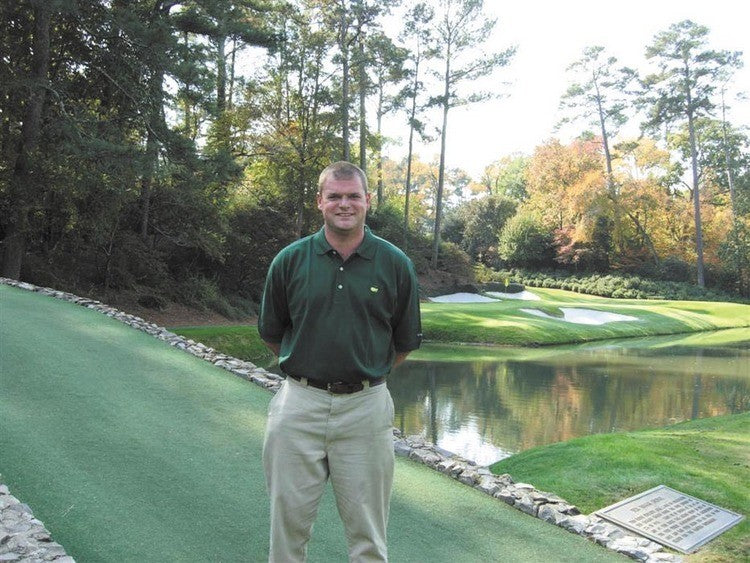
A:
[342,170]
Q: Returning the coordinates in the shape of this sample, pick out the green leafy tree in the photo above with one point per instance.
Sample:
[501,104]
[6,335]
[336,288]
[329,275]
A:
[599,96]
[293,114]
[507,177]
[23,166]
[682,90]
[476,224]
[459,29]
[416,33]
[525,241]
[349,21]
[388,64]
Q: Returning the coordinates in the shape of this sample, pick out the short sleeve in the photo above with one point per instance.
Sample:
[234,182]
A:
[407,320]
[274,317]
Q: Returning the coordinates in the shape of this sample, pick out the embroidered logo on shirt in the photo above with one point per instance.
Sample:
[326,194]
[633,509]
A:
[373,289]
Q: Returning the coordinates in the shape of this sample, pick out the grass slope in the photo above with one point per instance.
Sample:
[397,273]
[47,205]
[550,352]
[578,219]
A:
[241,342]
[707,458]
[130,450]
[504,323]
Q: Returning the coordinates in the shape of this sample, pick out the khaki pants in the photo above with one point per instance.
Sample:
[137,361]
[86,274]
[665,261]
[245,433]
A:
[312,435]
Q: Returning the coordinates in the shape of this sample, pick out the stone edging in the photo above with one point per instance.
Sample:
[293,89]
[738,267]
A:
[23,537]
[522,496]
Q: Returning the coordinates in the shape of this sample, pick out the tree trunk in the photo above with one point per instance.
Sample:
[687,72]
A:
[412,117]
[441,171]
[362,110]
[23,182]
[728,164]
[230,96]
[147,181]
[151,156]
[645,236]
[221,76]
[379,144]
[696,200]
[611,187]
[343,27]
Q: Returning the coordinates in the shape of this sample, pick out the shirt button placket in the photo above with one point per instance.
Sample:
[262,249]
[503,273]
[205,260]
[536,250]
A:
[339,281]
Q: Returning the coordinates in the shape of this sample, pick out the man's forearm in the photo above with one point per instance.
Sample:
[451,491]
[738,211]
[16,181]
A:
[400,357]
[275,347]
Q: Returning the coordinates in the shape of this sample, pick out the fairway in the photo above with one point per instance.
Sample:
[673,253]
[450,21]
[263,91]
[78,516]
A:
[130,450]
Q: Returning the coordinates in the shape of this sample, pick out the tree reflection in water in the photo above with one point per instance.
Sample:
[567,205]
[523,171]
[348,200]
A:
[485,410]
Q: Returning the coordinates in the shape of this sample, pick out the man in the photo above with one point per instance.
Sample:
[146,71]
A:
[340,308]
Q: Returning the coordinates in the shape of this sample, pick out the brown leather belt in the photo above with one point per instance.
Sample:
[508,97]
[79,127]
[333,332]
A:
[339,387]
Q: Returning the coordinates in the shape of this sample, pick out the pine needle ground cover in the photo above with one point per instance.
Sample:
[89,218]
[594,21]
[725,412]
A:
[130,450]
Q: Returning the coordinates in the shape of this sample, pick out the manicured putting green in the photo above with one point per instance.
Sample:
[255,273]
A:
[130,450]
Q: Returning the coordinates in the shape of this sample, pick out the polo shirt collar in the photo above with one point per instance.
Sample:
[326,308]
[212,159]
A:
[366,249]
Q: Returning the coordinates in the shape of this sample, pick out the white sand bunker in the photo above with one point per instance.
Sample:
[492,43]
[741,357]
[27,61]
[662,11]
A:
[476,298]
[583,316]
[524,295]
[463,298]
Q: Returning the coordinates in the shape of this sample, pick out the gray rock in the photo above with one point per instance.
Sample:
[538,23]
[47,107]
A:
[629,546]
[576,524]
[526,504]
[401,448]
[506,495]
[469,477]
[425,456]
[488,484]
[549,513]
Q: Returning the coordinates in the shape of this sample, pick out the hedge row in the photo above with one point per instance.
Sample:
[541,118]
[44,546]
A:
[617,286]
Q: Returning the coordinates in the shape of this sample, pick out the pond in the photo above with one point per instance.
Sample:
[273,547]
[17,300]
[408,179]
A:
[489,403]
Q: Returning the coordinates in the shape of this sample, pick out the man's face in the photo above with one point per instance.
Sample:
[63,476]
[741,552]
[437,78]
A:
[344,204]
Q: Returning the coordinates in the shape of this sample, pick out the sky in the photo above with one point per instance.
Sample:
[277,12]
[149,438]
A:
[549,36]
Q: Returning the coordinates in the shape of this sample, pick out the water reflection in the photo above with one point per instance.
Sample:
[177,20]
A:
[487,410]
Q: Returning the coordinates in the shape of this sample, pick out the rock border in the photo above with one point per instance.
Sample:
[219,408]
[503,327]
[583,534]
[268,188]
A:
[23,537]
[522,496]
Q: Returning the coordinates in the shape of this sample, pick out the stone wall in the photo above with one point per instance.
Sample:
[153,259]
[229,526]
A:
[23,537]
[522,496]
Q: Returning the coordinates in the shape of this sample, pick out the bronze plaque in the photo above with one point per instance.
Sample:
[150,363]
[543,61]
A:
[671,518]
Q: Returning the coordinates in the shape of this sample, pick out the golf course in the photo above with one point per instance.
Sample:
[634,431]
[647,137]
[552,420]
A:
[130,450]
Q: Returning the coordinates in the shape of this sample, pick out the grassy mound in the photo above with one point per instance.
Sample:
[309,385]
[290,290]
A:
[707,458]
[505,323]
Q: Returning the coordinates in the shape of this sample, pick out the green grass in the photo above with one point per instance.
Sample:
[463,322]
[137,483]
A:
[457,352]
[707,458]
[503,323]
[240,342]
[131,450]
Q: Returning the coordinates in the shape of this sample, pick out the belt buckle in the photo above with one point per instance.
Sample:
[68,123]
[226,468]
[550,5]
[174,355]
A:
[343,388]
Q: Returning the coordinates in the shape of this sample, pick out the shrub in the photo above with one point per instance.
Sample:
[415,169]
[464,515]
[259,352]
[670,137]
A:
[615,286]
[202,293]
[525,241]
[675,269]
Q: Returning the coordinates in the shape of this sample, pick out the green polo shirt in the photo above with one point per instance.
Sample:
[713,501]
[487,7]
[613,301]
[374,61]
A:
[336,320]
